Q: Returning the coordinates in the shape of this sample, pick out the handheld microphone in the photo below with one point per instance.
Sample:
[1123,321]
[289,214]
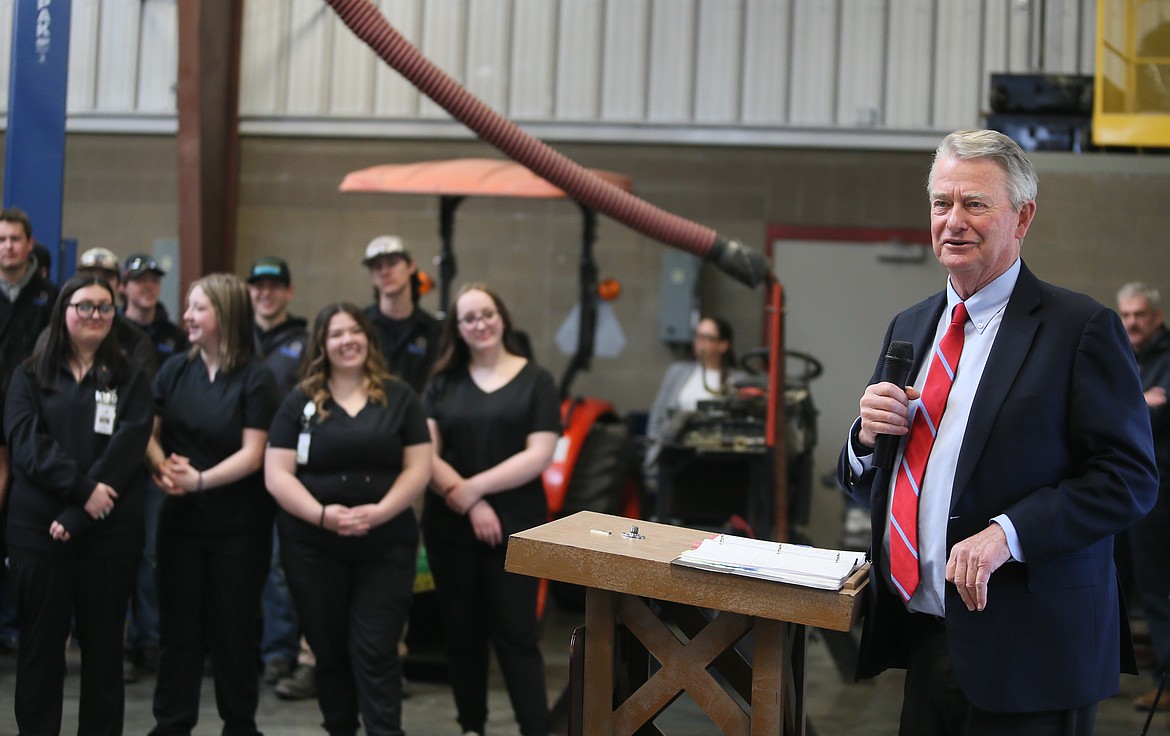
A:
[899,359]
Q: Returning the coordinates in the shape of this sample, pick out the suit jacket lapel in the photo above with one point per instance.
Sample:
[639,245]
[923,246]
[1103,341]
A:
[920,333]
[1012,343]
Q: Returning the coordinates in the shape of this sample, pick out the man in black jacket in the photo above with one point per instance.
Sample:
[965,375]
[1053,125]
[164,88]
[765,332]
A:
[26,300]
[407,335]
[1149,539]
[280,341]
[141,287]
[280,337]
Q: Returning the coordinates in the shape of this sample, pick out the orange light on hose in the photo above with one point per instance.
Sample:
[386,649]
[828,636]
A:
[609,289]
[425,283]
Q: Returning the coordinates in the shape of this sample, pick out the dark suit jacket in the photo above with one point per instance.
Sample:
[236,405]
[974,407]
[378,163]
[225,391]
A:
[1059,440]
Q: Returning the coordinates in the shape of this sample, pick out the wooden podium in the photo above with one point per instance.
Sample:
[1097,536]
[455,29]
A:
[619,571]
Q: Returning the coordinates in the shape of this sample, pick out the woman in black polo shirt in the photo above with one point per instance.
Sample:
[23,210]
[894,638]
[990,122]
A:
[214,405]
[78,418]
[348,452]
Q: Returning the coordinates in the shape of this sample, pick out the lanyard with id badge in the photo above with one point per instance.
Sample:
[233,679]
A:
[306,435]
[105,411]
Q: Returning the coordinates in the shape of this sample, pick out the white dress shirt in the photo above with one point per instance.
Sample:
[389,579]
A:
[985,309]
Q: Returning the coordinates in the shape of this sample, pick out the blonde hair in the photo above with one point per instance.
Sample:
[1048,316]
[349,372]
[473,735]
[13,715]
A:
[233,310]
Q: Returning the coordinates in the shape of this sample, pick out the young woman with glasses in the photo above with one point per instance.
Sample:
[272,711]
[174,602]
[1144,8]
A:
[494,419]
[77,421]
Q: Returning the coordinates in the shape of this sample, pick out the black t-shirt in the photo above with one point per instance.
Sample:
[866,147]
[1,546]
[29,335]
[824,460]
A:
[58,458]
[204,421]
[480,430]
[353,460]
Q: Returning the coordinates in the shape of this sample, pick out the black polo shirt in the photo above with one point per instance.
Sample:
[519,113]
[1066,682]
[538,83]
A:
[204,420]
[58,458]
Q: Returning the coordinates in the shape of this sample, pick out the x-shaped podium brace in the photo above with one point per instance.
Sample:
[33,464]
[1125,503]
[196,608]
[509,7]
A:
[774,694]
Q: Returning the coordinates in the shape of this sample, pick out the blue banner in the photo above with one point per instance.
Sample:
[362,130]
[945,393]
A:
[34,157]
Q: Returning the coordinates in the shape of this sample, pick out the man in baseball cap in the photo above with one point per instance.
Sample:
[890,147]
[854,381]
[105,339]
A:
[408,336]
[141,288]
[280,341]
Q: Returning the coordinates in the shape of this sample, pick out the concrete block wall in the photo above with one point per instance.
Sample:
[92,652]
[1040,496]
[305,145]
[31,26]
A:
[1102,221]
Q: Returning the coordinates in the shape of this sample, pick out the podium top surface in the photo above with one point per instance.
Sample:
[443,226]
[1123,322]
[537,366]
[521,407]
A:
[576,550]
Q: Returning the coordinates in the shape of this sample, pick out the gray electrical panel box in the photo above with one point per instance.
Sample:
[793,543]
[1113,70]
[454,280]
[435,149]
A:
[679,304]
[166,252]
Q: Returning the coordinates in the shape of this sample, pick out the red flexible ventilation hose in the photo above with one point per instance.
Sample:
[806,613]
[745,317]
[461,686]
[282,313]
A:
[732,256]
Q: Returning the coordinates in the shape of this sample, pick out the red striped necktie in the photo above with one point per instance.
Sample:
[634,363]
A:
[904,508]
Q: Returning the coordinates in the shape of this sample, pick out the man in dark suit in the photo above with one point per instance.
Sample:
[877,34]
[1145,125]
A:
[1009,620]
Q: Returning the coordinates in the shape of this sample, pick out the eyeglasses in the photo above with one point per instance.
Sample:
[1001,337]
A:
[87,309]
[488,316]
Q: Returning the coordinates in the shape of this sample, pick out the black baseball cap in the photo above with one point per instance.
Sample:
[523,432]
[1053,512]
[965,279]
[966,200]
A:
[270,267]
[138,264]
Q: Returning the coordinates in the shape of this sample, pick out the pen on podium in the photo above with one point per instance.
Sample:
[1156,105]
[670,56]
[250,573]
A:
[602,532]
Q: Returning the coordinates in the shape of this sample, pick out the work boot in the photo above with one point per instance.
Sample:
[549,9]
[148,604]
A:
[276,670]
[302,685]
[1145,701]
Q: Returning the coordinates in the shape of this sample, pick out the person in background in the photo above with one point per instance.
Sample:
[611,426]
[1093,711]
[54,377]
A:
[214,406]
[26,298]
[1027,448]
[280,342]
[409,339]
[102,263]
[74,414]
[280,337]
[688,382]
[494,418]
[141,290]
[348,452]
[1149,539]
[408,335]
[44,260]
[26,301]
[141,286]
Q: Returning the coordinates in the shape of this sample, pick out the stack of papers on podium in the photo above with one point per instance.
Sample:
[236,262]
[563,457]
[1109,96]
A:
[812,567]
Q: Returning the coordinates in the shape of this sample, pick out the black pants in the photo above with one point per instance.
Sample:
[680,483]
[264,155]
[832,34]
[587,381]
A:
[1149,543]
[52,590]
[934,705]
[353,603]
[479,602]
[209,591]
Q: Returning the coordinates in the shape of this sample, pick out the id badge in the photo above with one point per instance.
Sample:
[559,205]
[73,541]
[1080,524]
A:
[105,411]
[305,437]
[303,448]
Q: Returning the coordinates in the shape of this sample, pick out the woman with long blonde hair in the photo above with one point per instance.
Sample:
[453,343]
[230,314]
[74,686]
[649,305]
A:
[214,406]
